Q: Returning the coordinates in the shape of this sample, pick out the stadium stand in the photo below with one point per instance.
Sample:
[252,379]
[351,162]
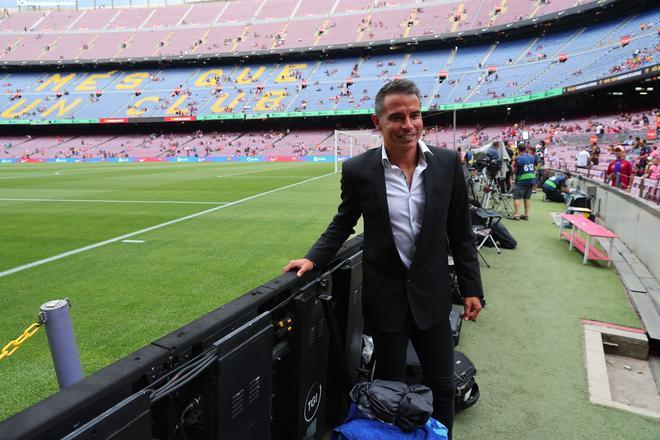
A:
[486,72]
[565,138]
[229,27]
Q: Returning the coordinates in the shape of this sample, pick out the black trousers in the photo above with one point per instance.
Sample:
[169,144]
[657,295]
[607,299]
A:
[554,195]
[435,348]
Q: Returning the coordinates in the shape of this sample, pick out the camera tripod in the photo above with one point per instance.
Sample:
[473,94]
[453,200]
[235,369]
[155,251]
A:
[492,196]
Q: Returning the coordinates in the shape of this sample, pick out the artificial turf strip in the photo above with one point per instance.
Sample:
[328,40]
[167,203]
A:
[527,344]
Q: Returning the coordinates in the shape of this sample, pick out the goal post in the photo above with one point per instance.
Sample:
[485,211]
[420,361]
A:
[351,143]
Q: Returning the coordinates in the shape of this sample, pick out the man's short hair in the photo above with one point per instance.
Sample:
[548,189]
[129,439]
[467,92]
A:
[404,86]
[522,148]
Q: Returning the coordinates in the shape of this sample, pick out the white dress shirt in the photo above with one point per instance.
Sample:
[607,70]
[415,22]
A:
[405,205]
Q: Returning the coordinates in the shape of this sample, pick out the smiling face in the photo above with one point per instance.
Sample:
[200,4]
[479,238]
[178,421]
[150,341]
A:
[400,121]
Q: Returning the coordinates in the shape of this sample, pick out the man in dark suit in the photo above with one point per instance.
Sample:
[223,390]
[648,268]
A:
[413,200]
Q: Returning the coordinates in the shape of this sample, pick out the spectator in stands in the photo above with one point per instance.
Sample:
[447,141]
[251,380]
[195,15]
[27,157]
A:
[653,170]
[637,146]
[555,187]
[600,131]
[404,297]
[524,168]
[629,142]
[583,158]
[595,154]
[620,171]
[642,160]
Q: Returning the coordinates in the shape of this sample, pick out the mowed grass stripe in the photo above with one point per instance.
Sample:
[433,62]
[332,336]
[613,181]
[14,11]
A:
[165,202]
[222,176]
[150,228]
[35,230]
[151,182]
[27,171]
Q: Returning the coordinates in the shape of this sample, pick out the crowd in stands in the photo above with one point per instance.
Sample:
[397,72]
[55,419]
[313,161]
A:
[552,132]
[630,163]
[222,27]
[510,68]
[640,157]
[195,144]
[572,133]
[613,148]
[639,58]
[608,151]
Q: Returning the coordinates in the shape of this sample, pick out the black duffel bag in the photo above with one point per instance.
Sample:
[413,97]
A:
[578,199]
[502,236]
[467,390]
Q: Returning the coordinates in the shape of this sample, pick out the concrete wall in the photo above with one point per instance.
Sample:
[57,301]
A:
[636,221]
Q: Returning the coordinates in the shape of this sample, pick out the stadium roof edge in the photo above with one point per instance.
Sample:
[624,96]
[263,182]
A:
[567,17]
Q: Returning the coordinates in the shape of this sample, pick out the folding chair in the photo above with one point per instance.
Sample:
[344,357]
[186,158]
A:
[483,232]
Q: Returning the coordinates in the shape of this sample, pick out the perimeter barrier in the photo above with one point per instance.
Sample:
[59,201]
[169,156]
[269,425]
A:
[274,363]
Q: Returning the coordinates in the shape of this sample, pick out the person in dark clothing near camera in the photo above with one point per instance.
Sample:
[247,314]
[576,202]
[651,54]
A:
[413,201]
[555,188]
[509,167]
[524,168]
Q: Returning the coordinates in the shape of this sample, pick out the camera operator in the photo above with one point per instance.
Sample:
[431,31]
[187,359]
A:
[493,152]
[495,158]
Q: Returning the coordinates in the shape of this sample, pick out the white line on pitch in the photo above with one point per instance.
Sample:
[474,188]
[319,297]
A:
[137,167]
[174,202]
[289,176]
[153,228]
[257,171]
[132,241]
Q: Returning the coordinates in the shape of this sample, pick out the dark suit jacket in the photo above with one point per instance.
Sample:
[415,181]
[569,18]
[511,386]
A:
[390,289]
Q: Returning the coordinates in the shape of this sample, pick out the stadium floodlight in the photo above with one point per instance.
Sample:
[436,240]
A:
[350,143]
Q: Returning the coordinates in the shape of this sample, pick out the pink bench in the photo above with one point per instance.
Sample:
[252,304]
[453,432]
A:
[590,229]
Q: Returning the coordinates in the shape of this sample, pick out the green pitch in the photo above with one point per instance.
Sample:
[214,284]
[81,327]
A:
[125,295]
[219,230]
